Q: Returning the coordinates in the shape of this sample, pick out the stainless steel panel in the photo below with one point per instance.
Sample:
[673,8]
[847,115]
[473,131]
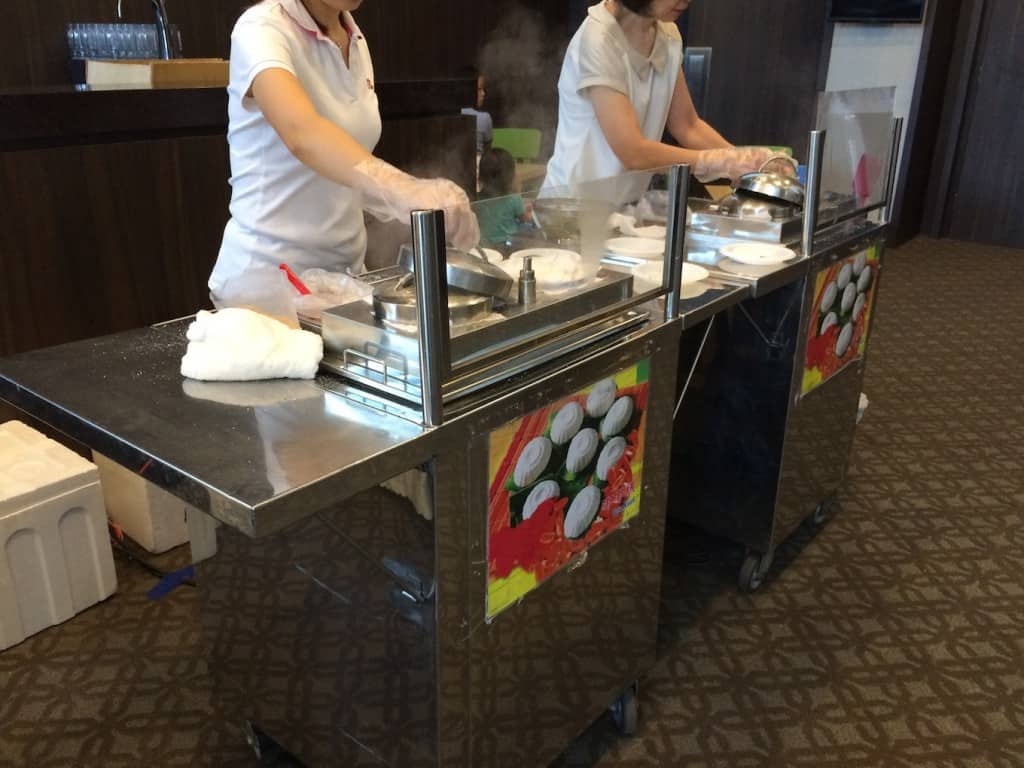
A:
[358,634]
[727,449]
[550,665]
[324,634]
[820,427]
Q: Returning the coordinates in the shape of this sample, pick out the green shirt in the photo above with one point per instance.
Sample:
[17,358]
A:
[499,218]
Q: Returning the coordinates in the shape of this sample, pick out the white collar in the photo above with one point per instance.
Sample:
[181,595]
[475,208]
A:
[301,16]
[641,64]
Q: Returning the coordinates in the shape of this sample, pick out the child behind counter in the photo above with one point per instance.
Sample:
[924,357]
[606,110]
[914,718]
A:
[501,213]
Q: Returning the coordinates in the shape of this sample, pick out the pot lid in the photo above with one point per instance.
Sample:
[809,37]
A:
[774,186]
[466,271]
[398,305]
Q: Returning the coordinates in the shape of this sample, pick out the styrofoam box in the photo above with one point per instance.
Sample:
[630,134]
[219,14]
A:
[147,514]
[55,557]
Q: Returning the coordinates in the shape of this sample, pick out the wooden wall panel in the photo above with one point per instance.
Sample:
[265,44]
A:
[764,69]
[986,187]
[99,238]
[109,237]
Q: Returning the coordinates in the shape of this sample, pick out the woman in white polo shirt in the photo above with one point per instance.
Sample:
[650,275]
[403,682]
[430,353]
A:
[302,123]
[621,87]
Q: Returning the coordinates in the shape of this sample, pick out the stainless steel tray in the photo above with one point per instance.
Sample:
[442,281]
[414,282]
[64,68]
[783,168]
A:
[385,357]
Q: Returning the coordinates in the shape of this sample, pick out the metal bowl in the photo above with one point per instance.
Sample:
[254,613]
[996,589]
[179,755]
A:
[772,186]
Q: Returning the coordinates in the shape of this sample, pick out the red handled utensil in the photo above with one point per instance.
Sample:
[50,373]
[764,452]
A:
[294,280]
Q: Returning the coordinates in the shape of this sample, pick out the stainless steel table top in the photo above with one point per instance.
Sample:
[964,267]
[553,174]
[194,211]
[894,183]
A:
[254,455]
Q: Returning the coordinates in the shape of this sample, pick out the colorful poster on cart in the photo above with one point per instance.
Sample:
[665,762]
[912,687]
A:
[561,479]
[841,316]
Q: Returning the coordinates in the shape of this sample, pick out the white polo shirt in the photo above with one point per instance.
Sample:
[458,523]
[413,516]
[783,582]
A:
[600,55]
[282,210]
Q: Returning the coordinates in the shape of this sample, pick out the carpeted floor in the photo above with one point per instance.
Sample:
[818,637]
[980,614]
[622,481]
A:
[891,636]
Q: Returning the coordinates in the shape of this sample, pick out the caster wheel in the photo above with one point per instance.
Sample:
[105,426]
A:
[253,738]
[625,711]
[753,571]
[821,512]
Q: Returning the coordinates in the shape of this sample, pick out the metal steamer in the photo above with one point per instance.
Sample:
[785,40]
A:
[760,445]
[356,627]
[432,369]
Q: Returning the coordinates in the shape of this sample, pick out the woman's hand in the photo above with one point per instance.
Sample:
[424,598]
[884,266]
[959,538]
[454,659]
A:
[734,162]
[389,193]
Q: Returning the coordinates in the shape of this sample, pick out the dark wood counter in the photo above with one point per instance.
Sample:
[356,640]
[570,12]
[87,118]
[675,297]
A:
[62,115]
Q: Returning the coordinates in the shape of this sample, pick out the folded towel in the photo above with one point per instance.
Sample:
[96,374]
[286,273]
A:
[242,345]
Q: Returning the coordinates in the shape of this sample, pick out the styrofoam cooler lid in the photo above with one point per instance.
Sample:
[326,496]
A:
[33,467]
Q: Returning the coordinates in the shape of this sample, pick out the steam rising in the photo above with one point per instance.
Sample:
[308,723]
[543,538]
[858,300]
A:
[522,59]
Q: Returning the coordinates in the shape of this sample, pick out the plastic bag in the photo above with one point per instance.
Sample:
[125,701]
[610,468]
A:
[261,288]
[329,289]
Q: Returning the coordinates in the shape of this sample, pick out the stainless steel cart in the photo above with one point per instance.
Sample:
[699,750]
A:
[767,408]
[358,626]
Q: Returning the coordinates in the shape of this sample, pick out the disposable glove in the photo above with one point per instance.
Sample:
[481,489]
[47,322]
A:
[389,193]
[733,162]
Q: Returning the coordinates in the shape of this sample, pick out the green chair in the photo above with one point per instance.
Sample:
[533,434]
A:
[522,143]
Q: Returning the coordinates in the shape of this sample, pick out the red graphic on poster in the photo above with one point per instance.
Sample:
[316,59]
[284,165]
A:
[562,478]
[840,316]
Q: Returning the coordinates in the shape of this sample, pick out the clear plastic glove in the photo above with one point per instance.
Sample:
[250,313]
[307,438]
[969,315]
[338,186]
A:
[389,193]
[733,162]
[329,289]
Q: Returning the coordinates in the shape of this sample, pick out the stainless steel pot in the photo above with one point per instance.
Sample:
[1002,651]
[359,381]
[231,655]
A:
[398,305]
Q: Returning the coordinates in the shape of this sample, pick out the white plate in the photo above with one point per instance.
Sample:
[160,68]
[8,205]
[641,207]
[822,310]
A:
[652,273]
[757,254]
[636,247]
[693,273]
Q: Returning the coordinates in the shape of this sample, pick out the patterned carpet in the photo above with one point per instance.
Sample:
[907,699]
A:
[891,636]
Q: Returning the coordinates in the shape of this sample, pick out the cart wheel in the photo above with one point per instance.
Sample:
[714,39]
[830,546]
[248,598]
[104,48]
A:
[253,738]
[754,569]
[626,711]
[820,513]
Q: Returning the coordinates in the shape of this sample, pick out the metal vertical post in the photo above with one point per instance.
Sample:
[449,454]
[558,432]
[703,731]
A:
[430,259]
[675,242]
[894,156]
[813,191]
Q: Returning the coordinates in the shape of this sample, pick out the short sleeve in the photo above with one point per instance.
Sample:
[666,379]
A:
[601,62]
[486,127]
[257,45]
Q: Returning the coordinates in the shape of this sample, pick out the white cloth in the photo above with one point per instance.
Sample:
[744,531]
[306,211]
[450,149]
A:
[600,55]
[282,210]
[242,345]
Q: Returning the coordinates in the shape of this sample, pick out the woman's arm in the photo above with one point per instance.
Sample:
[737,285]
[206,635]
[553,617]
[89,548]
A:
[686,126]
[315,141]
[622,131]
[388,193]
